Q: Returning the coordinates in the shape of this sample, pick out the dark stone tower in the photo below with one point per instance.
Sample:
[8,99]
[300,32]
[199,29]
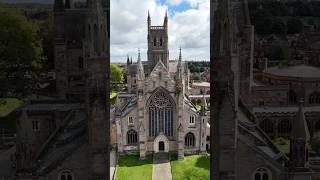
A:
[225,91]
[97,65]
[158,49]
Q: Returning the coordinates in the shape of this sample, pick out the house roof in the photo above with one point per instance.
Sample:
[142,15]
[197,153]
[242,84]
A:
[301,71]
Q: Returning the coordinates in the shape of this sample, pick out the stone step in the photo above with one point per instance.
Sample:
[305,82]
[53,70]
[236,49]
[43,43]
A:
[161,157]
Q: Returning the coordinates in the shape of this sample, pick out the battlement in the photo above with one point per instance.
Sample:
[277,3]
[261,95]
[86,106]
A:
[157,27]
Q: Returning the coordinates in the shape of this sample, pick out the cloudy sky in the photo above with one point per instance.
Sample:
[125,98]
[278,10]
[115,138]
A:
[188,27]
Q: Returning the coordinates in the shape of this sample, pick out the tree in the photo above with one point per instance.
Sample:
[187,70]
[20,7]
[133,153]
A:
[20,53]
[280,51]
[262,20]
[294,25]
[116,75]
[279,26]
[47,36]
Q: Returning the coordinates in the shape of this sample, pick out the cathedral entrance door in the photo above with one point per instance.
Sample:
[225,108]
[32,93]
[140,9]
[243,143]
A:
[161,146]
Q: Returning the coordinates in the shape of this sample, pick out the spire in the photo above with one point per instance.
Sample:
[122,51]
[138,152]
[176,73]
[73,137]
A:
[203,105]
[179,66]
[165,23]
[149,20]
[140,67]
[300,127]
[128,60]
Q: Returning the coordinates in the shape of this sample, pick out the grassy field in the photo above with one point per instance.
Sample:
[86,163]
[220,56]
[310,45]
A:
[8,105]
[283,144]
[130,167]
[7,118]
[196,167]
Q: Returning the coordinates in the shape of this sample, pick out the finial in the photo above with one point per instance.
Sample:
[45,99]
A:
[180,56]
[139,57]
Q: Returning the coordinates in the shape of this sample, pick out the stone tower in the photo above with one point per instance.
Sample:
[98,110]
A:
[180,89]
[141,104]
[226,90]
[97,64]
[158,49]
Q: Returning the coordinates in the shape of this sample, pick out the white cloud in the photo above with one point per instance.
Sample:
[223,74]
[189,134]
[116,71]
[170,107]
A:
[188,29]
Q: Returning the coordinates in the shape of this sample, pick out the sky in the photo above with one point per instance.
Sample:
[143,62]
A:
[188,26]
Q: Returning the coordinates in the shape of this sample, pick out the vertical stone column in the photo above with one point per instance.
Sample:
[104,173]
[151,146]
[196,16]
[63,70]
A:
[203,132]
[119,134]
[142,131]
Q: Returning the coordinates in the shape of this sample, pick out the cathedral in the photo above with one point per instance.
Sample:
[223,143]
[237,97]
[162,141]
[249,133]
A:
[155,114]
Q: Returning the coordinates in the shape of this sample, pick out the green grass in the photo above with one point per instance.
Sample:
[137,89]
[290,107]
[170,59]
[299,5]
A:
[191,168]
[130,167]
[8,105]
[113,94]
[283,144]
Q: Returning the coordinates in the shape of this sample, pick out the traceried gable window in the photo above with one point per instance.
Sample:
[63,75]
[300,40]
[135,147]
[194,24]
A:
[130,121]
[160,114]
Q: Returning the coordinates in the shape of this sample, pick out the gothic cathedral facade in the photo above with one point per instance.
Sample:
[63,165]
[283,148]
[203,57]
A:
[155,114]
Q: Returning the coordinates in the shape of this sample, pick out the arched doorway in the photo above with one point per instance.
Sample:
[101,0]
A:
[161,146]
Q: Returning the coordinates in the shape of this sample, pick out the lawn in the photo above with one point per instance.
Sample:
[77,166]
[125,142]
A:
[8,105]
[130,167]
[7,118]
[192,167]
[283,144]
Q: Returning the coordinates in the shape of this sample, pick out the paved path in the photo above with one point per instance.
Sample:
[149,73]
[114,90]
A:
[161,167]
[113,163]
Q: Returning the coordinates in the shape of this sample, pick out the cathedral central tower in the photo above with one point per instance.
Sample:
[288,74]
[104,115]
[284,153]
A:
[158,49]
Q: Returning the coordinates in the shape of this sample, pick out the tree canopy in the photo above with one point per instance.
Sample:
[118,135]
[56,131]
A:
[116,74]
[20,53]
[280,51]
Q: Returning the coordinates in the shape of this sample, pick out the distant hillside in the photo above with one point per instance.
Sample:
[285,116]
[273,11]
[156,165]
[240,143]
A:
[28,1]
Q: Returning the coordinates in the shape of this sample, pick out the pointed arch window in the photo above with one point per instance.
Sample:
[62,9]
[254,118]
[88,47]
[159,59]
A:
[160,114]
[154,41]
[132,136]
[262,174]
[66,175]
[95,38]
[189,140]
[314,98]
[161,41]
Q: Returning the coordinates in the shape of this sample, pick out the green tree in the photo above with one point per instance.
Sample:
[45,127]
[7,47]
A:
[279,26]
[20,53]
[280,51]
[47,36]
[294,25]
[262,20]
[116,76]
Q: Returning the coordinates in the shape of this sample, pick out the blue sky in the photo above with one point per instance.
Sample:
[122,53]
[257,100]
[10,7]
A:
[188,27]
